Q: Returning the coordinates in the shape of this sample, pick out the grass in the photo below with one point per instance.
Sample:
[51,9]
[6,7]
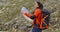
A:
[10,9]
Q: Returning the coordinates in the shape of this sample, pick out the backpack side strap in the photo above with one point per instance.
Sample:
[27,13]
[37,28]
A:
[42,21]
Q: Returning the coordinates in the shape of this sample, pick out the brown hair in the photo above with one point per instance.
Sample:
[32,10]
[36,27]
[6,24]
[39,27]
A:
[40,5]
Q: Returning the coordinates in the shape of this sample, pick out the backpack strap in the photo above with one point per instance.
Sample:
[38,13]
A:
[42,21]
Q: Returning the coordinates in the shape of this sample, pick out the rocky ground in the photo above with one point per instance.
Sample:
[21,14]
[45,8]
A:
[11,19]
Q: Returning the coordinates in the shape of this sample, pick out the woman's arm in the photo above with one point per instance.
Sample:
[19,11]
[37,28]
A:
[30,16]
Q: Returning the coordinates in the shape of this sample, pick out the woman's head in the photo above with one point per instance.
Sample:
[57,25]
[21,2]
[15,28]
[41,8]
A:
[38,4]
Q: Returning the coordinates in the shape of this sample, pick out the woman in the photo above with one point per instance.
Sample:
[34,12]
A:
[38,12]
[37,16]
